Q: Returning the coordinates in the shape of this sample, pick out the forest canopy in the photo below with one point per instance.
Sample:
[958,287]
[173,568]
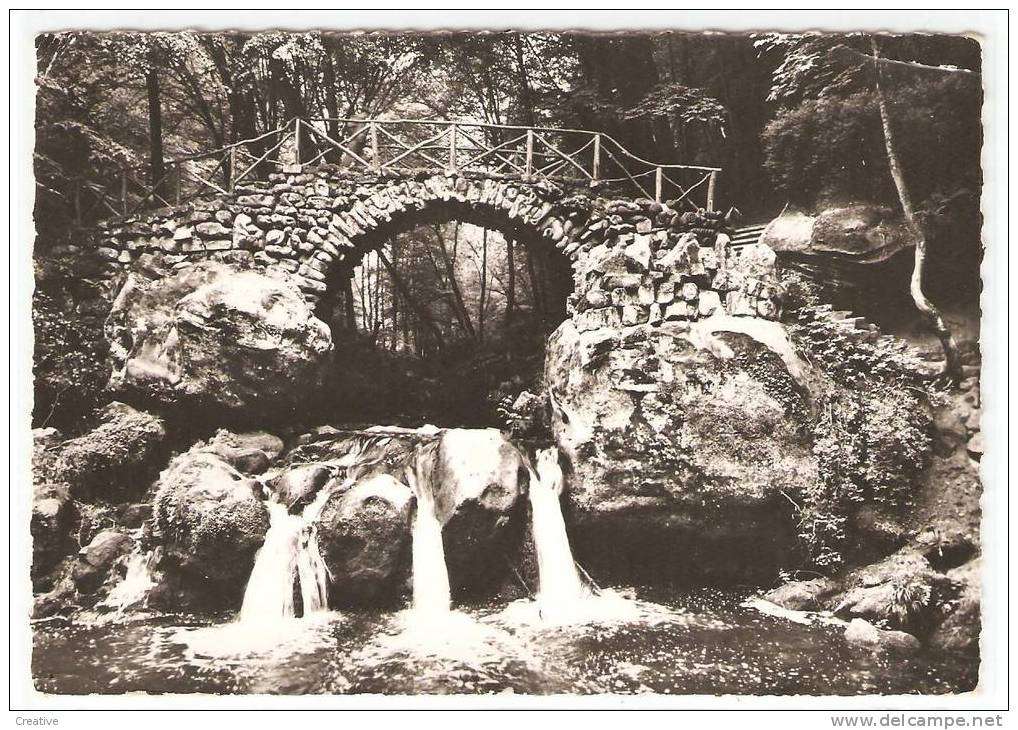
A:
[791,119]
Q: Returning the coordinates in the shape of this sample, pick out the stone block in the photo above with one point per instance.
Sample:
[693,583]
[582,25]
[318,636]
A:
[638,254]
[593,319]
[709,303]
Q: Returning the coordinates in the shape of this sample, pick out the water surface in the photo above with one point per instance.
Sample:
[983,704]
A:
[669,642]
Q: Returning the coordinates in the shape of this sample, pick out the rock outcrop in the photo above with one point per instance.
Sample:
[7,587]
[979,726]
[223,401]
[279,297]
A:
[216,336]
[477,477]
[119,456]
[684,439]
[364,535]
[52,516]
[210,519]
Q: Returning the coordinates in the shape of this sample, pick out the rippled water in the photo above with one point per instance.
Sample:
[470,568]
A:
[667,642]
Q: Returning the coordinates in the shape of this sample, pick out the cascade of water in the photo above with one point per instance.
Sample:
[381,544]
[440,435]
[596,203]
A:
[560,584]
[430,574]
[137,582]
[290,552]
[269,593]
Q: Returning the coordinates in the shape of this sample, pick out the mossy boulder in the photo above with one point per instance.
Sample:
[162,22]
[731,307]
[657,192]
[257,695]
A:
[119,456]
[210,519]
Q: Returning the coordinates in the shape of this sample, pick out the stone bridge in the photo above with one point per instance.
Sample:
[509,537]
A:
[636,256]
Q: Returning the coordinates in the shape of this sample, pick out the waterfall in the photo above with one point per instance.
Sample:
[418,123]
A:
[430,574]
[137,583]
[290,553]
[269,593]
[559,583]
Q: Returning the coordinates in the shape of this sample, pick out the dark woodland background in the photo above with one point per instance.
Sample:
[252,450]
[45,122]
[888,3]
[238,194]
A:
[792,120]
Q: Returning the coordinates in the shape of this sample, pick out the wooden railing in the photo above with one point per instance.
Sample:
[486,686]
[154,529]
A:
[575,157]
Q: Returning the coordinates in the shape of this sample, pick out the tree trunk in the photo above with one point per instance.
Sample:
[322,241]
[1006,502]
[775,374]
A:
[484,285]
[450,272]
[952,361]
[350,316]
[157,168]
[422,313]
[510,285]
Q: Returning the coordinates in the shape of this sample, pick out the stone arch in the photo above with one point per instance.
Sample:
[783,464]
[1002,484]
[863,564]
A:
[529,213]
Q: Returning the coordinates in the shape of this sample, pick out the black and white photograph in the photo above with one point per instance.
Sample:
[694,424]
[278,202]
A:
[506,362]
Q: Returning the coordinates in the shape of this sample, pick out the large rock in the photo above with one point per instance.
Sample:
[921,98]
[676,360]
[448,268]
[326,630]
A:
[364,536]
[477,477]
[96,560]
[960,630]
[119,456]
[216,336]
[864,634]
[684,441]
[860,232]
[249,453]
[52,516]
[901,591]
[210,519]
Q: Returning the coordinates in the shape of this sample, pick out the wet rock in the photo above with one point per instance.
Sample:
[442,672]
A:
[52,515]
[683,444]
[120,455]
[210,519]
[802,595]
[862,633]
[901,591]
[219,337]
[960,630]
[298,485]
[364,537]
[96,560]
[477,477]
[133,516]
[249,453]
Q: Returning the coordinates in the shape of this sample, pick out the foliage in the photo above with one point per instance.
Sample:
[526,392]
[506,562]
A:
[849,357]
[870,444]
[825,140]
[871,434]
[833,147]
[679,102]
[69,363]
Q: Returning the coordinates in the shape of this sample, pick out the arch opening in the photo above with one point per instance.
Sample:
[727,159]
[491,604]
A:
[442,317]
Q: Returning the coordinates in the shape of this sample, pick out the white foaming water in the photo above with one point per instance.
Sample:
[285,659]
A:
[134,588]
[560,588]
[269,593]
[290,552]
[430,574]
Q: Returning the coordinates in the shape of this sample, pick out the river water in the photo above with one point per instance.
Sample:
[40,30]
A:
[665,641]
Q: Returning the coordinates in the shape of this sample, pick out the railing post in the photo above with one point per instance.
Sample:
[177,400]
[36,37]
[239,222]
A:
[296,140]
[597,158]
[176,167]
[233,168]
[658,184]
[530,153]
[373,138]
[452,148]
[123,190]
[710,189]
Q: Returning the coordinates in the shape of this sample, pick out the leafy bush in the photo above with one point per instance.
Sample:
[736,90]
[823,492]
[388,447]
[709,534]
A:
[69,363]
[872,431]
[870,444]
[833,147]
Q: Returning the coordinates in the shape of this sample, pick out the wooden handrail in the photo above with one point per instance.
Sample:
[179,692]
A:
[531,153]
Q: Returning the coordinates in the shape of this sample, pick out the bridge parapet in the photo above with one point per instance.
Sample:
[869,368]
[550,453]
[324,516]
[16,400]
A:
[589,162]
[634,261]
